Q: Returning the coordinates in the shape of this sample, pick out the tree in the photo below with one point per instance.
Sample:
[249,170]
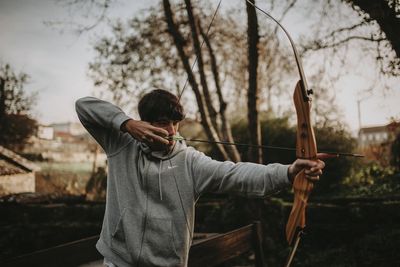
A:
[159,48]
[373,26]
[255,155]
[16,126]
[386,13]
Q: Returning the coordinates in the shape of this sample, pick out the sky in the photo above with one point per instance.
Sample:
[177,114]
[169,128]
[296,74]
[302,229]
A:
[58,63]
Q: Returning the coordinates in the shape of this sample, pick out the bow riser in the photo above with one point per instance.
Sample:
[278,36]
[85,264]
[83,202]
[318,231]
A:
[306,148]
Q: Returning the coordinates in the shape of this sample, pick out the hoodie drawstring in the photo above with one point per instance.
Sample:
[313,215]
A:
[159,179]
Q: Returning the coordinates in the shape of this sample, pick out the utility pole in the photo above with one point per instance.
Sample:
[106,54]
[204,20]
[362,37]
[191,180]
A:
[359,109]
[359,113]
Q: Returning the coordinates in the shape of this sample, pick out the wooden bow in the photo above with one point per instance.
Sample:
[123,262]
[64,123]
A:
[306,148]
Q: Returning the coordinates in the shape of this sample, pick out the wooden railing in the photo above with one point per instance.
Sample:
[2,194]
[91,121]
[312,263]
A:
[209,251]
[223,247]
[66,255]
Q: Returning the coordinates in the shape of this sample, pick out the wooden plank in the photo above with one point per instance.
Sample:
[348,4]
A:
[66,255]
[218,249]
[210,251]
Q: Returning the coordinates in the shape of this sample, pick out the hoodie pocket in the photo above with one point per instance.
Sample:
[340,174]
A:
[126,238]
[146,240]
[159,246]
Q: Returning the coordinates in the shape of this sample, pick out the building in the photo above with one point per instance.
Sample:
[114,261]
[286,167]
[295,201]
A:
[375,135]
[17,174]
[72,128]
[45,132]
[375,141]
[65,142]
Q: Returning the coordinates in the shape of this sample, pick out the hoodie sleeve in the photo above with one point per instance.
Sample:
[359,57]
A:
[103,121]
[243,178]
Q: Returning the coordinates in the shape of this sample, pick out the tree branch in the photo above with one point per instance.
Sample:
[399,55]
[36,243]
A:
[226,128]
[319,45]
[203,80]
[177,37]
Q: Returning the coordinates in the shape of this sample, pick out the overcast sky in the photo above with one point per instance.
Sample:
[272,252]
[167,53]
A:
[57,63]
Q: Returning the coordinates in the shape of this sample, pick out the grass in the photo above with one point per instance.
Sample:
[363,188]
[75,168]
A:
[63,177]
[74,167]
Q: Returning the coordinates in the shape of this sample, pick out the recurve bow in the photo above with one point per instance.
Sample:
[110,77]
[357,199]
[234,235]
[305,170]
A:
[306,148]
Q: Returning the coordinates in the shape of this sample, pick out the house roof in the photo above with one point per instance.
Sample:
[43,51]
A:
[380,128]
[373,129]
[7,168]
[12,163]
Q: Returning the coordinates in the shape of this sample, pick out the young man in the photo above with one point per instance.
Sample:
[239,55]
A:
[153,182]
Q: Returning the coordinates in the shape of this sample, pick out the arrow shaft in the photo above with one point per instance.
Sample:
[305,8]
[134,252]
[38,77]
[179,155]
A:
[264,146]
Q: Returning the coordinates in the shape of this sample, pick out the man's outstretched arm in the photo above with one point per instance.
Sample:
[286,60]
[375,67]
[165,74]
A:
[249,179]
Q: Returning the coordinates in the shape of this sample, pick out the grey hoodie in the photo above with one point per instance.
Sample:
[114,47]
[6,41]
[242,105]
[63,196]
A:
[151,196]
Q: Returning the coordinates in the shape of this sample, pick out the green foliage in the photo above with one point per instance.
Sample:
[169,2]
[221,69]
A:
[395,155]
[275,132]
[62,177]
[15,124]
[336,169]
[278,132]
[16,130]
[372,179]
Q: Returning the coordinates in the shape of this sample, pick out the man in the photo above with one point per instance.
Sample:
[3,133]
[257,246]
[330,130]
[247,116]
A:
[154,182]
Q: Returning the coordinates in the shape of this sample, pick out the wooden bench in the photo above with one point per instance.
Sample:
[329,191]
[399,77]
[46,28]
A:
[207,252]
[220,248]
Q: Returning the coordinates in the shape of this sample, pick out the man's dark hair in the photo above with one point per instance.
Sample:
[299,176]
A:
[160,105]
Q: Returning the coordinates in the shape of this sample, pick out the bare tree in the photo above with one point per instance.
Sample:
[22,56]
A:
[204,109]
[159,47]
[377,25]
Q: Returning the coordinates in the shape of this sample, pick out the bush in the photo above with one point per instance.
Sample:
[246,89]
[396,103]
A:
[395,155]
[278,132]
[97,185]
[336,169]
[372,179]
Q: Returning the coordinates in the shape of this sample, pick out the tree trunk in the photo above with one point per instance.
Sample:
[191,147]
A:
[225,125]
[255,154]
[179,41]
[94,163]
[203,80]
[2,98]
